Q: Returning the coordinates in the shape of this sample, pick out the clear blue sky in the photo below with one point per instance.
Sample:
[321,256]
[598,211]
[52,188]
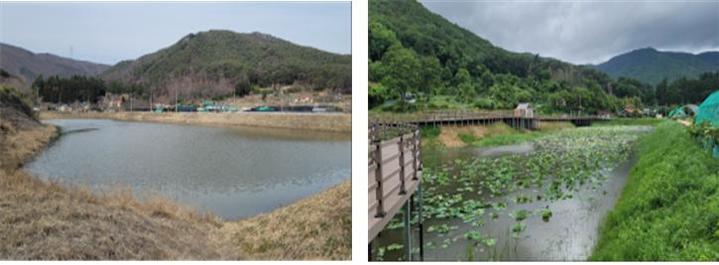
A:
[111,32]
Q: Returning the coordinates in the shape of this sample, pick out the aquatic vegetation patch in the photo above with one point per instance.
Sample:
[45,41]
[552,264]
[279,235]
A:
[546,214]
[473,189]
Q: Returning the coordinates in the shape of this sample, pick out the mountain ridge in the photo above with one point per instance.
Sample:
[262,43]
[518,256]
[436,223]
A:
[29,65]
[652,66]
[215,62]
[454,63]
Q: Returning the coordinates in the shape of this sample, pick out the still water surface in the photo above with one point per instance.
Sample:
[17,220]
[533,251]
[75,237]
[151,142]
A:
[231,172]
[569,236]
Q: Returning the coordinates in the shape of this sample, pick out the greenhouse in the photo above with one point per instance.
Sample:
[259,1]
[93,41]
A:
[709,110]
[685,111]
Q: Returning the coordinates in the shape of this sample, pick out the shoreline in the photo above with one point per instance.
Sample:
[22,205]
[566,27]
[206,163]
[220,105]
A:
[159,228]
[325,122]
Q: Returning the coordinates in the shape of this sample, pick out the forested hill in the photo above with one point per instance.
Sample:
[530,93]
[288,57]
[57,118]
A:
[415,50]
[28,65]
[218,62]
[652,66]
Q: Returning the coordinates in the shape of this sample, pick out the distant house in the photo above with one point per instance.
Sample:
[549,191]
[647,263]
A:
[112,102]
[604,114]
[65,108]
[524,110]
[629,109]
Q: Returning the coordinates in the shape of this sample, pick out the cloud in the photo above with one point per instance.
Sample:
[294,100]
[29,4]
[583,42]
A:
[588,32]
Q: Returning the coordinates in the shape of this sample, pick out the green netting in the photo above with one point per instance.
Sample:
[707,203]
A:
[678,113]
[709,110]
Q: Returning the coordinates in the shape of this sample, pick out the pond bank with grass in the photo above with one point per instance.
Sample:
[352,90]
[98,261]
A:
[669,209]
[538,199]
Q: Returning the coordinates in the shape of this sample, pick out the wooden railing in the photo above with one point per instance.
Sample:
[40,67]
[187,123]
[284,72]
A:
[394,171]
[455,115]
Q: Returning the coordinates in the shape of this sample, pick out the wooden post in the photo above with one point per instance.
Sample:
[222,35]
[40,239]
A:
[414,154]
[408,229]
[421,223]
[403,187]
[378,177]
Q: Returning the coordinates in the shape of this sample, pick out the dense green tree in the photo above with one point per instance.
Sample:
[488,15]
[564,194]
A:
[402,67]
[380,39]
[465,88]
[67,90]
[414,50]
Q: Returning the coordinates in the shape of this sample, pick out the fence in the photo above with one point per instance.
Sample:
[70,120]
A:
[394,176]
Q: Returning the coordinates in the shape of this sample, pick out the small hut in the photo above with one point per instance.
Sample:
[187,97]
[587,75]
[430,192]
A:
[524,110]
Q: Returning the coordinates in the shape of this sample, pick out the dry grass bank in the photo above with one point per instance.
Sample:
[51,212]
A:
[460,136]
[315,228]
[331,122]
[41,220]
[44,220]
[451,136]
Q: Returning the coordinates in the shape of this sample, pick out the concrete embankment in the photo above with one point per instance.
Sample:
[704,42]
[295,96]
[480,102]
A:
[331,122]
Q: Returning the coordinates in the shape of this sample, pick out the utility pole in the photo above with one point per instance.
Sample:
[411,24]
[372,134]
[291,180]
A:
[175,99]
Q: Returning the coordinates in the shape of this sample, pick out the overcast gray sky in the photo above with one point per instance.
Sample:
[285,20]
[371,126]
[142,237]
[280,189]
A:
[111,32]
[587,32]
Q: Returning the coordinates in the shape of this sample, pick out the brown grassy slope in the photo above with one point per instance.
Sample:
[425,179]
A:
[40,220]
[318,227]
[450,135]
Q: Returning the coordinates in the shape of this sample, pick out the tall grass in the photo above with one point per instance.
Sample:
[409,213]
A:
[669,208]
[489,135]
[502,134]
[629,121]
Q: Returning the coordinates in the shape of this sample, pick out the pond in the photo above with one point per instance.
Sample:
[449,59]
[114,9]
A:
[230,172]
[537,201]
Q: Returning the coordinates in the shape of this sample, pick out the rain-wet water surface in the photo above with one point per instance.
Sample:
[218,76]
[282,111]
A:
[569,234]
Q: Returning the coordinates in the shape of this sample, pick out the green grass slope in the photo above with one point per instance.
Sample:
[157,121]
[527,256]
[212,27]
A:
[669,208]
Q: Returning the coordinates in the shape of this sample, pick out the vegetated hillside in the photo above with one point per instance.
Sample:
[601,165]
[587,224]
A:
[414,50]
[652,66]
[20,62]
[219,62]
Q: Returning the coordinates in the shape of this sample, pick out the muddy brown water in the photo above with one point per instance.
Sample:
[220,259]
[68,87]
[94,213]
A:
[569,235]
[232,172]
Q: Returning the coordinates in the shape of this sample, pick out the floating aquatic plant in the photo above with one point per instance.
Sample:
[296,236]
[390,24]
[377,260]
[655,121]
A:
[546,214]
[562,165]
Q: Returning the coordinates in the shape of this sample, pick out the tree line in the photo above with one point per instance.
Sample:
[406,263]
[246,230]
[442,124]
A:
[80,88]
[419,60]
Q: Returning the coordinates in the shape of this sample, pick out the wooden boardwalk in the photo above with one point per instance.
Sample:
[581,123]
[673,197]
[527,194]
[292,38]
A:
[394,174]
[464,118]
